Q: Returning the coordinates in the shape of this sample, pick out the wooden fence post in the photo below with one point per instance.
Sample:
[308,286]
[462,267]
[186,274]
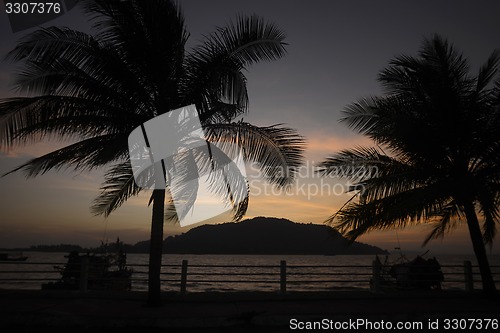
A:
[84,274]
[184,271]
[283,276]
[376,270]
[469,279]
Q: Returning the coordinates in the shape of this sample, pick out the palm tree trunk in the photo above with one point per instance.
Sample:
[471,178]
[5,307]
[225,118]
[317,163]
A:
[476,236]
[156,248]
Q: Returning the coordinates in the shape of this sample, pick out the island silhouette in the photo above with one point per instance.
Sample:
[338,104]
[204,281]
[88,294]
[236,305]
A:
[265,235]
[259,235]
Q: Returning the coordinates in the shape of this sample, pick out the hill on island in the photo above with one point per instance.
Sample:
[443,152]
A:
[263,235]
[260,235]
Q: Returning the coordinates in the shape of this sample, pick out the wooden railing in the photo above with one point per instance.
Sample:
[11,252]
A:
[284,277]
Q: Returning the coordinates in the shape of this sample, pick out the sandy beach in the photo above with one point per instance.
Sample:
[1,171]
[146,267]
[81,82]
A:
[38,311]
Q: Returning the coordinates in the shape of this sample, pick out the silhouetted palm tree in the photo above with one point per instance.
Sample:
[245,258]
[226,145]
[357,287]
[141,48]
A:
[96,88]
[437,161]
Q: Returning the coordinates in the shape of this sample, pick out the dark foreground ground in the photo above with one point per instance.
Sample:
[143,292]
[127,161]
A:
[50,311]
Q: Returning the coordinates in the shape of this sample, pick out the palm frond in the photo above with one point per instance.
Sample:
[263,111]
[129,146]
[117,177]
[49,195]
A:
[119,185]
[395,211]
[47,44]
[184,192]
[373,173]
[171,212]
[361,116]
[351,163]
[241,207]
[488,71]
[399,77]
[278,150]
[215,68]
[28,119]
[184,182]
[220,112]
[490,226]
[150,37]
[211,79]
[60,61]
[488,199]
[247,41]
[86,155]
[223,177]
[448,220]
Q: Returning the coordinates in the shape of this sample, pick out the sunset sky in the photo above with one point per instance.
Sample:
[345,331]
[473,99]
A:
[336,49]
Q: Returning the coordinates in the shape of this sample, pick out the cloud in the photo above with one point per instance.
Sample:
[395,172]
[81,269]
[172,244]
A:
[321,145]
[295,208]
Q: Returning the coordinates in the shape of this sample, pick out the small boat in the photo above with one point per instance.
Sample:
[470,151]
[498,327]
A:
[105,271]
[419,273]
[12,257]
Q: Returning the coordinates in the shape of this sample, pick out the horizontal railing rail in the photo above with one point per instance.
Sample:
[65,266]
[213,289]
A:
[282,277]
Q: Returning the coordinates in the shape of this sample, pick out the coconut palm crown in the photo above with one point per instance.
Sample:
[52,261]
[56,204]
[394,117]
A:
[95,88]
[437,154]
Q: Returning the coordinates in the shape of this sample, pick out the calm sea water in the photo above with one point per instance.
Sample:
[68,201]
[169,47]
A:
[215,272]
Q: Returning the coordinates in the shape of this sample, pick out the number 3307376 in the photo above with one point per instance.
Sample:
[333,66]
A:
[32,7]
